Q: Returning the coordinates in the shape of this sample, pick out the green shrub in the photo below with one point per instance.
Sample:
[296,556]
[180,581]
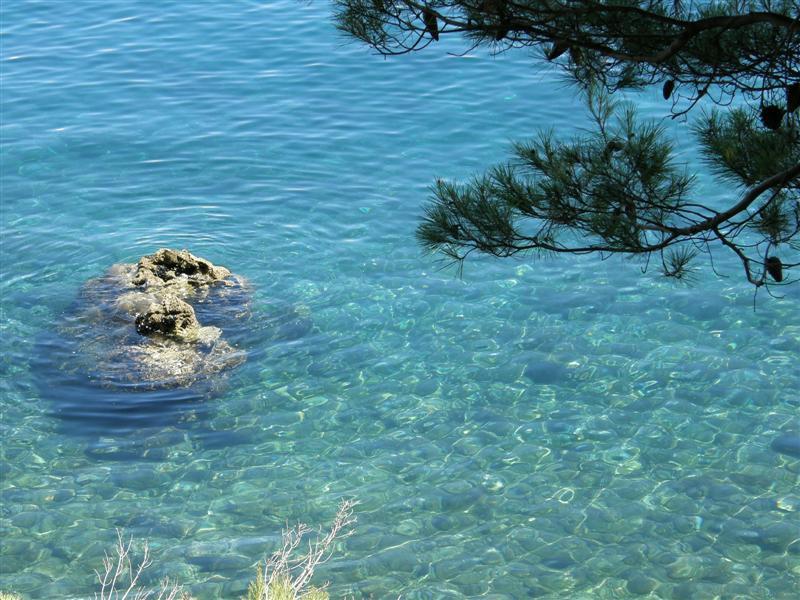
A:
[285,575]
[280,588]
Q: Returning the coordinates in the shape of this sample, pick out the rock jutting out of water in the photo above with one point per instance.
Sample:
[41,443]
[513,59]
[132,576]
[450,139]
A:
[143,325]
[166,267]
[171,317]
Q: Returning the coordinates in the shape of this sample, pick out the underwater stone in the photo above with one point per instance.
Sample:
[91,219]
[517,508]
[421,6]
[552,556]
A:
[451,522]
[17,554]
[794,548]
[139,478]
[460,501]
[558,427]
[29,584]
[450,568]
[685,568]
[26,520]
[778,537]
[228,563]
[235,588]
[426,387]
[398,559]
[134,303]
[559,563]
[294,329]
[163,298]
[545,372]
[788,443]
[640,585]
[684,591]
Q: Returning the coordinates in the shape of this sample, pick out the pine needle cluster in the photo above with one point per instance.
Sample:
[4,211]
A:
[619,189]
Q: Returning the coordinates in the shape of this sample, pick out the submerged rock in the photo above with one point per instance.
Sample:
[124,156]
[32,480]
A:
[787,443]
[160,322]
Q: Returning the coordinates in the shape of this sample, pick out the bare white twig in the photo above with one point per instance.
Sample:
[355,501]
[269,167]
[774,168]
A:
[283,568]
[118,567]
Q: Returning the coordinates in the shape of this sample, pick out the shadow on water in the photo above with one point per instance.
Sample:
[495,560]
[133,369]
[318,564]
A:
[85,381]
[119,420]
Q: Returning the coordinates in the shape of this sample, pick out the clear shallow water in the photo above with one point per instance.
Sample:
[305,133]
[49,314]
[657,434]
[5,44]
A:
[562,428]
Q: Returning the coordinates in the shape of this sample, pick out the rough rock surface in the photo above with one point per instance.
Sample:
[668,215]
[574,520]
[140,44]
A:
[166,265]
[171,317]
[142,324]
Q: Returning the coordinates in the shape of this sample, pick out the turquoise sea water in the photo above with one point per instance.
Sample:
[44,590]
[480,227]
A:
[563,428]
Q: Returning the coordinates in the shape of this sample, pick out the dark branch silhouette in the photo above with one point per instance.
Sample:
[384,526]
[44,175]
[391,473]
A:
[618,191]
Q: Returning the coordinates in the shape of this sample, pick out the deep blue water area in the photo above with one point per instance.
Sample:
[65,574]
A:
[567,428]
